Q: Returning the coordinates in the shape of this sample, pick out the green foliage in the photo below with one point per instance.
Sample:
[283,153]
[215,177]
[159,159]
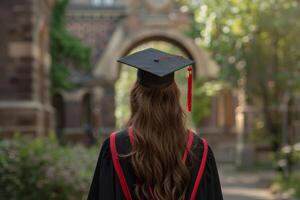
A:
[203,92]
[41,169]
[260,36]
[259,135]
[66,49]
[290,185]
[289,161]
[123,86]
[257,41]
[289,157]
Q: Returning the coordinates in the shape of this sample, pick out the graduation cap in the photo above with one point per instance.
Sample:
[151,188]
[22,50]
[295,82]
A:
[156,69]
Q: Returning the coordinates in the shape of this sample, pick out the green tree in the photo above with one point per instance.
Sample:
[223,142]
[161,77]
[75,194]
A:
[204,91]
[255,40]
[66,49]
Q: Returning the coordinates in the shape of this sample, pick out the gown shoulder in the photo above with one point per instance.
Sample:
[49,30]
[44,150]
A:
[105,184]
[210,187]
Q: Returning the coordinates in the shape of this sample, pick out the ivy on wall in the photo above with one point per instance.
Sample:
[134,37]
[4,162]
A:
[66,49]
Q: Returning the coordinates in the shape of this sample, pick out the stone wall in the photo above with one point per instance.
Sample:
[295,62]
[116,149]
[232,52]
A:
[24,62]
[94,26]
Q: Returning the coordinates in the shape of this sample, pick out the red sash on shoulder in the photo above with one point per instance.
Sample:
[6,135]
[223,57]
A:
[118,168]
[121,175]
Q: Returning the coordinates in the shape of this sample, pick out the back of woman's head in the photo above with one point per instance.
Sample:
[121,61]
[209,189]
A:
[160,134]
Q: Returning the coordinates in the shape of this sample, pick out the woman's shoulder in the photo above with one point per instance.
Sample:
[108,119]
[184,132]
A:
[198,145]
[120,134]
[121,142]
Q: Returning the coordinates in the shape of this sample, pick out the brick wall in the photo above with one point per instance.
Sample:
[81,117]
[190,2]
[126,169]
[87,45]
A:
[100,23]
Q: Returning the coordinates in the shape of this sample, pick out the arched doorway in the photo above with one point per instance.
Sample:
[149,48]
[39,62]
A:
[127,77]
[59,112]
[87,118]
[122,43]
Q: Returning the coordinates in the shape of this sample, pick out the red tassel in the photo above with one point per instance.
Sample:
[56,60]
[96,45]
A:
[189,89]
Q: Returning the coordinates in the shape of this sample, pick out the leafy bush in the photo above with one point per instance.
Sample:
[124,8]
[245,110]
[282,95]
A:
[289,158]
[40,168]
[288,180]
[289,186]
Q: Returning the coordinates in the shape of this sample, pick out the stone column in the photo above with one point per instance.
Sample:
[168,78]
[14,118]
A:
[98,93]
[73,129]
[107,110]
[24,62]
[245,151]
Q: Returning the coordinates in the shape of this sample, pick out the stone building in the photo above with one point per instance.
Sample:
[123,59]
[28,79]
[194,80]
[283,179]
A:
[112,28]
[24,62]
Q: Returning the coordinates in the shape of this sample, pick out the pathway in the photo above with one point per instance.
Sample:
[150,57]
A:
[245,185]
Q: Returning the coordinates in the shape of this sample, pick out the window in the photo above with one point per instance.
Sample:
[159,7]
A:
[103,2]
[108,2]
[97,2]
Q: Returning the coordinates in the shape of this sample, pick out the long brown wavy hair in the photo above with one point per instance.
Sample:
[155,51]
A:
[158,121]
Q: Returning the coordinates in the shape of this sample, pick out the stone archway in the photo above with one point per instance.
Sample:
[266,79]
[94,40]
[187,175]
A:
[59,112]
[114,32]
[122,43]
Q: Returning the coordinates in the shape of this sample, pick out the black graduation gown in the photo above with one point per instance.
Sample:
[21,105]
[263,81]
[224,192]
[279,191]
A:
[106,186]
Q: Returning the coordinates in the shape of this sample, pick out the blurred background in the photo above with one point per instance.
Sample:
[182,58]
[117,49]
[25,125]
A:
[62,91]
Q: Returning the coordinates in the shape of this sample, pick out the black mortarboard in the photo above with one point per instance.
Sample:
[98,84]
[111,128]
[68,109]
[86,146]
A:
[156,68]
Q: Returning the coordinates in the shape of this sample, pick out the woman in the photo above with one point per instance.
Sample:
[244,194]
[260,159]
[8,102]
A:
[156,157]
